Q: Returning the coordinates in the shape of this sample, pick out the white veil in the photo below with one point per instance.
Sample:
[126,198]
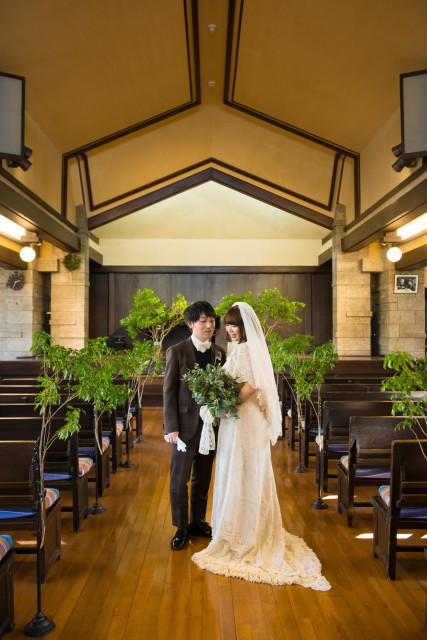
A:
[262,370]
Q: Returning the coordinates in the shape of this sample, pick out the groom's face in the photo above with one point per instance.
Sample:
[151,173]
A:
[204,328]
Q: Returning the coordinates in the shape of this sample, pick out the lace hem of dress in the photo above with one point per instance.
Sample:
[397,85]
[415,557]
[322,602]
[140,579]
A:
[251,573]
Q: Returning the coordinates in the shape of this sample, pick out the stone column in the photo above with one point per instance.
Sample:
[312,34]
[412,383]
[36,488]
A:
[351,295]
[69,321]
[401,315]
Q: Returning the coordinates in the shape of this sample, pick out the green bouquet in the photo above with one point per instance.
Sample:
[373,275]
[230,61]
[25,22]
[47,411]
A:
[214,388]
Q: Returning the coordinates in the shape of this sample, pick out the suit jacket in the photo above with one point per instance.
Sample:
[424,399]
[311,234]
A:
[181,411]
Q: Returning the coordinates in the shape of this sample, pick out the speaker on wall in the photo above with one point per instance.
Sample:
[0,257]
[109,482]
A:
[12,116]
[413,113]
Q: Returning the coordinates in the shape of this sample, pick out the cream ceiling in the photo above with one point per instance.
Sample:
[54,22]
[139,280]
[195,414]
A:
[97,67]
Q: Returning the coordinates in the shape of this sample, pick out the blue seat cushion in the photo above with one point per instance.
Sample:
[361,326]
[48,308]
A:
[51,496]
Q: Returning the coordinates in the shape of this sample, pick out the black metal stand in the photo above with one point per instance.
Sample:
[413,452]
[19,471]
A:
[139,437]
[128,464]
[319,503]
[96,509]
[300,468]
[39,625]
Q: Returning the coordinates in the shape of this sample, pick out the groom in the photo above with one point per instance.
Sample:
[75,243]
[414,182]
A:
[182,420]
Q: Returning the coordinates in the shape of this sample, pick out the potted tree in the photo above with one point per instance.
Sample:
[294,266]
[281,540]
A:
[306,366]
[152,317]
[409,387]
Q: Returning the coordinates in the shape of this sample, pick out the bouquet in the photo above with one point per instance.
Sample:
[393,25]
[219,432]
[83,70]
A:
[214,388]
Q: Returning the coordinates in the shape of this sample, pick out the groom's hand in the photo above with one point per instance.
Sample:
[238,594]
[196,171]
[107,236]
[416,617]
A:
[173,437]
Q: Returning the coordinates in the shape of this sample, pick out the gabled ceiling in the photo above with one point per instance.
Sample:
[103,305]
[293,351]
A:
[97,69]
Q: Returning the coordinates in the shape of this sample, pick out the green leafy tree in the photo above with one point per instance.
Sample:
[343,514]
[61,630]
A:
[274,311]
[152,317]
[96,371]
[306,365]
[409,387]
[56,382]
[137,366]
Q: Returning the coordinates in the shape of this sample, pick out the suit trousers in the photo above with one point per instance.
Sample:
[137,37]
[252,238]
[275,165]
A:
[199,467]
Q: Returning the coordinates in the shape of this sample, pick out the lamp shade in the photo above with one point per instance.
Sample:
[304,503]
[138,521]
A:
[394,254]
[27,254]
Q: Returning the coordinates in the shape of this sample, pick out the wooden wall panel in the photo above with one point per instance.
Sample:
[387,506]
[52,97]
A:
[109,304]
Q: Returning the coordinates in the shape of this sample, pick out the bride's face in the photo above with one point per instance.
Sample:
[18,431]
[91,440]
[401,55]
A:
[233,332]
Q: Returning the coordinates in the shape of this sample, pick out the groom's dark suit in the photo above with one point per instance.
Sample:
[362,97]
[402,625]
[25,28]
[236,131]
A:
[181,413]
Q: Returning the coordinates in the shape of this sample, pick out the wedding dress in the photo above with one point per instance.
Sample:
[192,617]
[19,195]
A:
[248,539]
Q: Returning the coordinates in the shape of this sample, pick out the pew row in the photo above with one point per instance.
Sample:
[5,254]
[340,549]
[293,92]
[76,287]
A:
[402,505]
[7,557]
[19,477]
[333,443]
[329,393]
[64,469]
[369,459]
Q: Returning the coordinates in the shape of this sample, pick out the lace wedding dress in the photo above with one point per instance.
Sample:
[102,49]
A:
[249,540]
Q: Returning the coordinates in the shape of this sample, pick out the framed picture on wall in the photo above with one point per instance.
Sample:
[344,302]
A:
[405,284]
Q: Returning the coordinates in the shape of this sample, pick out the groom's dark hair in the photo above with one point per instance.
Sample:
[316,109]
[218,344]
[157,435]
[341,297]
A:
[197,309]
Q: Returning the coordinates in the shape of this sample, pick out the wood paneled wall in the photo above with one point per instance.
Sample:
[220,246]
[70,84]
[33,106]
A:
[112,290]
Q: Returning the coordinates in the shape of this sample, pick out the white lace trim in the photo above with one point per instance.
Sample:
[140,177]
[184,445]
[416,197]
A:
[207,437]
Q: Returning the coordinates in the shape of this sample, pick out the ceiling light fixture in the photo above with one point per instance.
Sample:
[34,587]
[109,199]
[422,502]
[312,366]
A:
[394,254]
[11,228]
[212,28]
[412,228]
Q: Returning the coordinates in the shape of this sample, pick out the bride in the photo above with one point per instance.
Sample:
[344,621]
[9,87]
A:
[248,538]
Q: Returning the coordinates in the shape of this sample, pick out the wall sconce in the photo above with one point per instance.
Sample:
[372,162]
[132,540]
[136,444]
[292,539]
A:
[394,254]
[27,254]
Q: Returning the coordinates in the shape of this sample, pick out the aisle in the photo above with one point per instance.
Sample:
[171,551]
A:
[118,577]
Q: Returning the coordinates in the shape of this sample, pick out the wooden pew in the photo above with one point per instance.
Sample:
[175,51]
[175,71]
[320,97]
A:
[336,416]
[369,458]
[18,490]
[405,508]
[62,463]
[86,435]
[346,392]
[7,558]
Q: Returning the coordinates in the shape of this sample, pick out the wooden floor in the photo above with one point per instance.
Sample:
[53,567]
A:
[118,577]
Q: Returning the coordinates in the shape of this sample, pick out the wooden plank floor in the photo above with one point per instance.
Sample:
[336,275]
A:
[118,577]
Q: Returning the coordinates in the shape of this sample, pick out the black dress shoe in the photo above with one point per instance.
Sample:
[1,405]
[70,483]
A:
[202,529]
[180,539]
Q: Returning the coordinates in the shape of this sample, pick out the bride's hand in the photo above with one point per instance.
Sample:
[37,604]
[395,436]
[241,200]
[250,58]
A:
[222,414]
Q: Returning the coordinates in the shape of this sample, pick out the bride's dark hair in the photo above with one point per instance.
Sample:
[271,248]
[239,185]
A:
[233,317]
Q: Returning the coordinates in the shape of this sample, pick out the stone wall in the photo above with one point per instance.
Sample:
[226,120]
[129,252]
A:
[401,315]
[22,312]
[351,298]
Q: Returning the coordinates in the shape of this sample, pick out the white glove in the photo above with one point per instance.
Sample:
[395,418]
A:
[180,444]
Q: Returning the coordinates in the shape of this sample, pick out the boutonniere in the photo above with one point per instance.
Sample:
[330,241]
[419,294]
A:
[217,356]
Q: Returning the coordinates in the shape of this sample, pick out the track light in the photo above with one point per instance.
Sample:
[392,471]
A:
[401,163]
[24,163]
[397,150]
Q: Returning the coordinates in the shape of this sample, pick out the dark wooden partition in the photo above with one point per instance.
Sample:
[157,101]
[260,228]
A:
[112,290]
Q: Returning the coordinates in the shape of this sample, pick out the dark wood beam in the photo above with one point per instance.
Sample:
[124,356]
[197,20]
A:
[407,207]
[60,233]
[221,177]
[10,259]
